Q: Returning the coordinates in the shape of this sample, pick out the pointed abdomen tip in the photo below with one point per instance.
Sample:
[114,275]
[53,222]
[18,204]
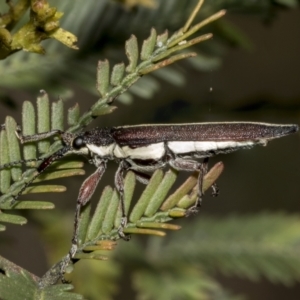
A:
[292,128]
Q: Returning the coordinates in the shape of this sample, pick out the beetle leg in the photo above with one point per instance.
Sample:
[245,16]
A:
[85,193]
[191,165]
[215,190]
[143,178]
[119,183]
[35,137]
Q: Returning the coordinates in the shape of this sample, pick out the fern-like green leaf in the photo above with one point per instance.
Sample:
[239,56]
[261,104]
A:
[11,178]
[149,215]
[103,77]
[18,284]
[149,45]
[97,232]
[132,53]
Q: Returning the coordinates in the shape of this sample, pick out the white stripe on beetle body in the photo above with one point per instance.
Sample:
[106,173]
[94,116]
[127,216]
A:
[153,151]
[206,147]
[101,151]
[157,151]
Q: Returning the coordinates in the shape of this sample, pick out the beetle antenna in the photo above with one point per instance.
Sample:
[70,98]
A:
[46,162]
[29,138]
[21,161]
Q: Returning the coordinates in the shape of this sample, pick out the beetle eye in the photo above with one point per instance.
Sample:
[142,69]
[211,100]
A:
[78,143]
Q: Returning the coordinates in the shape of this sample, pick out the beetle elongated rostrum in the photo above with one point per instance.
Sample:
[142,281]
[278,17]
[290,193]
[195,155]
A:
[145,148]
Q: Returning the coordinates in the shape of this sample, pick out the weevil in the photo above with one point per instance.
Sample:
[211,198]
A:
[145,148]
